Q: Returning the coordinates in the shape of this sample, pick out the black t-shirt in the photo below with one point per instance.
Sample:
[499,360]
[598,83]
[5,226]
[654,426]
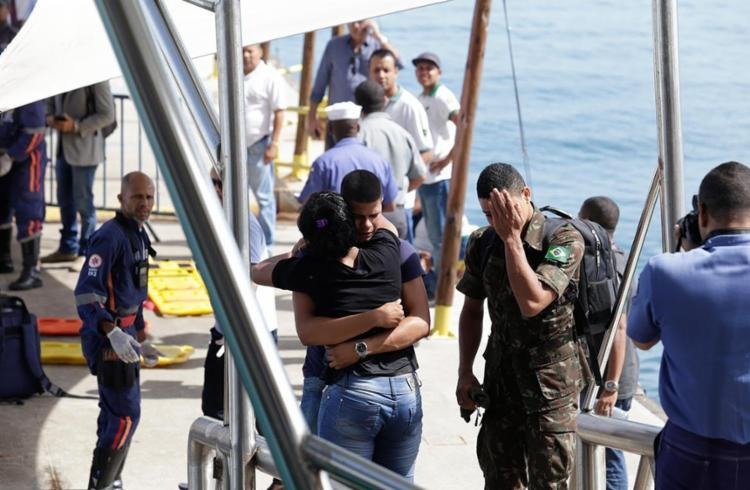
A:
[338,290]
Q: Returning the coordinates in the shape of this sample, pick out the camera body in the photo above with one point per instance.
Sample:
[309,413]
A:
[478,396]
[689,228]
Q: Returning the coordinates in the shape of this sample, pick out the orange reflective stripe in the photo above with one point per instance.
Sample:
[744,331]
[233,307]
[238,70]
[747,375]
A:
[126,432]
[118,434]
[34,142]
[111,291]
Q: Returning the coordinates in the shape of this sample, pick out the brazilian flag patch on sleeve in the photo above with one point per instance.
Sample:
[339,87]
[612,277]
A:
[558,253]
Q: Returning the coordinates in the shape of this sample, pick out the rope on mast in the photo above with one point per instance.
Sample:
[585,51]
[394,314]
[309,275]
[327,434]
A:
[524,152]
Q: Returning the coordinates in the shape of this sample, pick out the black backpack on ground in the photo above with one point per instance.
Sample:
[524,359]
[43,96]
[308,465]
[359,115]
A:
[598,282]
[20,354]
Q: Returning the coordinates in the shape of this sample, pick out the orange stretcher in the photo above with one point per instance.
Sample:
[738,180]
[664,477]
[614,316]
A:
[53,326]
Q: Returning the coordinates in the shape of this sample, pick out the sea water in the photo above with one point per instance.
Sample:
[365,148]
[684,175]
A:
[586,84]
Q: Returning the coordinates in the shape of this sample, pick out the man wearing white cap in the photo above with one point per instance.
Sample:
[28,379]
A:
[348,154]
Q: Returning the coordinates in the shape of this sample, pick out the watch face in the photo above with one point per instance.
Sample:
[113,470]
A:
[611,386]
[360,347]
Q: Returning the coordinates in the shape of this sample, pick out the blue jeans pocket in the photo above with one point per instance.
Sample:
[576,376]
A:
[356,419]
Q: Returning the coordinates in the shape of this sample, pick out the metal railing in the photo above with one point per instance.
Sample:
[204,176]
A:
[124,151]
[631,437]
[595,431]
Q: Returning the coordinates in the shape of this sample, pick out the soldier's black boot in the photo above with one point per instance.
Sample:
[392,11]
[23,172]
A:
[6,262]
[30,277]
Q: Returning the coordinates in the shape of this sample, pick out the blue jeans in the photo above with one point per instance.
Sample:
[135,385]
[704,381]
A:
[409,217]
[260,177]
[312,394]
[617,472]
[434,199]
[376,417]
[688,461]
[75,196]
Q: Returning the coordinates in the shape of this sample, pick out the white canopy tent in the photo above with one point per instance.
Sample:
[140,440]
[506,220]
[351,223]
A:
[63,44]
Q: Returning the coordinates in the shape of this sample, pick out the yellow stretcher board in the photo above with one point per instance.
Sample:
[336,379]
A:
[71,353]
[176,288]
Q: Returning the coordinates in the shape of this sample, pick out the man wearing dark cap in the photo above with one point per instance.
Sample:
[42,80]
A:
[442,109]
[379,132]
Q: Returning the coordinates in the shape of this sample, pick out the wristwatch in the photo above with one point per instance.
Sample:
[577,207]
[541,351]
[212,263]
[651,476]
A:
[611,386]
[361,349]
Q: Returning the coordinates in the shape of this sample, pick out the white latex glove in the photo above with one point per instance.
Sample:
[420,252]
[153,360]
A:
[150,354]
[6,163]
[124,345]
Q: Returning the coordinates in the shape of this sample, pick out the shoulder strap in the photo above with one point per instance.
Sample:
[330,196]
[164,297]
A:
[90,101]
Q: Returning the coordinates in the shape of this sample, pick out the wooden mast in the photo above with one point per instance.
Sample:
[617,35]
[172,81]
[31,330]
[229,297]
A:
[459,177]
[301,160]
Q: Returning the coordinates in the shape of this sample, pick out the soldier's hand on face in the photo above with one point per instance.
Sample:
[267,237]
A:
[342,355]
[466,382]
[390,314]
[506,215]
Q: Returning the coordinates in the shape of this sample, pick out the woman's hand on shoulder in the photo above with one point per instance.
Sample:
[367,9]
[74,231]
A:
[390,314]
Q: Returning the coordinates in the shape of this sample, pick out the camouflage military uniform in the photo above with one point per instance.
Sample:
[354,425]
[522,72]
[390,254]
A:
[532,371]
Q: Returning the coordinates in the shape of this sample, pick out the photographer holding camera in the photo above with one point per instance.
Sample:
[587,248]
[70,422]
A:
[694,303]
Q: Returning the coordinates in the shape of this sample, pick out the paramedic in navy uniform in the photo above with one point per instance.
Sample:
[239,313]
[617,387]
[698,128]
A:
[109,295]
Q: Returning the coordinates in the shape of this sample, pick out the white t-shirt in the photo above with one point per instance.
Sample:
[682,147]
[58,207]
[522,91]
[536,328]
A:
[440,104]
[264,94]
[409,113]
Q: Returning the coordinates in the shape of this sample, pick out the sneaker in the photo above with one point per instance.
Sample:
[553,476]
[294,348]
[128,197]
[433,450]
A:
[58,256]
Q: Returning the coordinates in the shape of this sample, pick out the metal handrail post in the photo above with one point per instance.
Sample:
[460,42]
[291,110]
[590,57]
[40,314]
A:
[232,158]
[175,140]
[627,280]
[644,476]
[668,113]
[590,477]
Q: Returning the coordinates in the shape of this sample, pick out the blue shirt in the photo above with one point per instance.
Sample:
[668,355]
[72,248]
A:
[349,154]
[411,268]
[697,303]
[341,70]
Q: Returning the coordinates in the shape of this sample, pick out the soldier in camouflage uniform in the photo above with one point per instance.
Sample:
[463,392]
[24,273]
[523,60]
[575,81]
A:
[532,371]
